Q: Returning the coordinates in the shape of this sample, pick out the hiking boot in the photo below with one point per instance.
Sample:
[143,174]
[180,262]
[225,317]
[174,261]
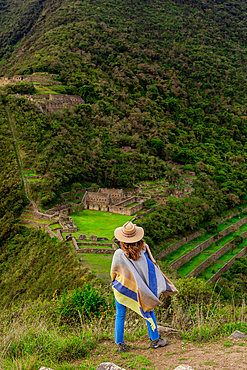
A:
[158,343]
[122,347]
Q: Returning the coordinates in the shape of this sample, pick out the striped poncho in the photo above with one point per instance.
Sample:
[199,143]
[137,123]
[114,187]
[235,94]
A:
[139,284]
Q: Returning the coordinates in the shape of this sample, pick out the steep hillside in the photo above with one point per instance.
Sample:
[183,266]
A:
[17,19]
[166,79]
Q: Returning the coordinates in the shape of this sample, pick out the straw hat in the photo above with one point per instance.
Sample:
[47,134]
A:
[129,233]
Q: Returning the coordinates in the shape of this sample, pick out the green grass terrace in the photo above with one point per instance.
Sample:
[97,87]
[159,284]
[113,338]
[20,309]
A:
[99,223]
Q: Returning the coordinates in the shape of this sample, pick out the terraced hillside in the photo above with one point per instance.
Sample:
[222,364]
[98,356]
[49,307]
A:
[205,255]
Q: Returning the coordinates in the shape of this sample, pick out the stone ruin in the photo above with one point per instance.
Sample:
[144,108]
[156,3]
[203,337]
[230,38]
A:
[82,237]
[112,200]
[47,103]
[68,237]
[67,223]
[56,102]
[104,198]
[46,79]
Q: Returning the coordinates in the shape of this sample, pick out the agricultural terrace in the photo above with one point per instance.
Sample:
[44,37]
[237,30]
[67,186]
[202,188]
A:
[172,257]
[189,266]
[99,223]
[215,267]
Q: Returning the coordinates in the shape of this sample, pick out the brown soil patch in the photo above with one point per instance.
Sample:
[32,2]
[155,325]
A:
[218,355]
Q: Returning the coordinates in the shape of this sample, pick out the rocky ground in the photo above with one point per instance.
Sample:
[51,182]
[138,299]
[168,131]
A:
[222,354]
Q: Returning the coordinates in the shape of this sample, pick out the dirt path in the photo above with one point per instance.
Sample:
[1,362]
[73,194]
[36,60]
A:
[222,354]
[19,162]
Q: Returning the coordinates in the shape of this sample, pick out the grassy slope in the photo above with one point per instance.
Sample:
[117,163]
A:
[100,264]
[33,264]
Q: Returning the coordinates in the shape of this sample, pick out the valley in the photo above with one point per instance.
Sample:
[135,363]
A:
[112,111]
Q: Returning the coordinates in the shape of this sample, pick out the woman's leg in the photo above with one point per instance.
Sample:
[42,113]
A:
[153,334]
[119,322]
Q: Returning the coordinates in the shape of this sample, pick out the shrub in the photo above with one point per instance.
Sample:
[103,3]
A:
[188,167]
[84,303]
[193,290]
[149,202]
[238,239]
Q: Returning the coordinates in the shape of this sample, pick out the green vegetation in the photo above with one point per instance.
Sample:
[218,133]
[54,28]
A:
[37,221]
[86,301]
[99,264]
[171,257]
[210,271]
[39,89]
[33,264]
[167,80]
[136,82]
[192,264]
[131,205]
[55,226]
[98,223]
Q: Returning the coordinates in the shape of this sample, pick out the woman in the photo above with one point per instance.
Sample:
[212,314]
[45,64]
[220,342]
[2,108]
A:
[137,283]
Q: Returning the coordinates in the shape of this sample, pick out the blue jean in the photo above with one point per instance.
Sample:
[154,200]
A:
[119,324]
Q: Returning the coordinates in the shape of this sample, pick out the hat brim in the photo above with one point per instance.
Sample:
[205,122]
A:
[133,239]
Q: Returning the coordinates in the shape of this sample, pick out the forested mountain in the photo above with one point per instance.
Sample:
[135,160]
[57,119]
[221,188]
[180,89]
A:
[166,78]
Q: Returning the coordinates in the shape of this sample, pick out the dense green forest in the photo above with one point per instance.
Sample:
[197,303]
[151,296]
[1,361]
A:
[167,78]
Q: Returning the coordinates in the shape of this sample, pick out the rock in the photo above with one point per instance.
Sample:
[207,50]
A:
[184,367]
[68,237]
[167,330]
[108,366]
[45,368]
[94,238]
[238,335]
[83,237]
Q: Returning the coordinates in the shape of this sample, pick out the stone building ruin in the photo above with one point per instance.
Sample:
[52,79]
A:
[46,79]
[113,200]
[52,103]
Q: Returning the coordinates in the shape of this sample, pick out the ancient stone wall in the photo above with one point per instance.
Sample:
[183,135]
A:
[194,252]
[67,223]
[96,243]
[91,250]
[31,177]
[92,206]
[39,96]
[45,79]
[104,208]
[49,231]
[32,223]
[59,235]
[126,211]
[212,259]
[42,216]
[115,193]
[231,216]
[66,231]
[96,197]
[75,244]
[58,208]
[227,265]
[178,244]
[148,211]
[28,215]
[96,250]
[127,202]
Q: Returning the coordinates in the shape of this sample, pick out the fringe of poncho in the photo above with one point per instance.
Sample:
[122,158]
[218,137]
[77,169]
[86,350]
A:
[139,284]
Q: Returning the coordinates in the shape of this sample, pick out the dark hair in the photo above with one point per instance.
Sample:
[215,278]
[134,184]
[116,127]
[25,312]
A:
[133,250]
